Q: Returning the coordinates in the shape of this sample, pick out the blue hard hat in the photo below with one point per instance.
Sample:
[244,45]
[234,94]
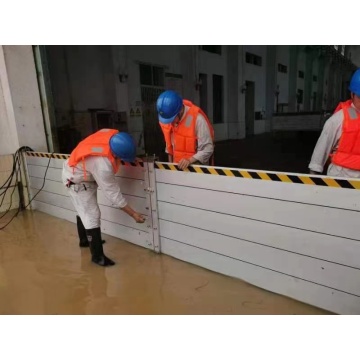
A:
[123,146]
[355,83]
[168,106]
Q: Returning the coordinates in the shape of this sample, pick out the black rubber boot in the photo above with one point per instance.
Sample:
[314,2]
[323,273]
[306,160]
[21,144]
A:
[96,248]
[82,233]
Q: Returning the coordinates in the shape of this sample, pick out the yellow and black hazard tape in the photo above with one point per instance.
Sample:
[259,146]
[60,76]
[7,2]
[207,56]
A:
[66,156]
[267,176]
[47,155]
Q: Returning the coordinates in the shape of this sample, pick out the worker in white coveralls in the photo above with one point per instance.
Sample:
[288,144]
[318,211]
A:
[340,139]
[94,162]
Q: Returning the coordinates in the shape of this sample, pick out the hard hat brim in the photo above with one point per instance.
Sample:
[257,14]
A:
[167,121]
[357,93]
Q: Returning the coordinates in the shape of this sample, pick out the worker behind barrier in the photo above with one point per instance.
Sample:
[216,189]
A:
[188,133]
[94,162]
[340,139]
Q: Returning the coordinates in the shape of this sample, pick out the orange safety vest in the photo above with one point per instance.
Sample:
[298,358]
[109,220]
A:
[96,144]
[185,139]
[347,154]
[342,104]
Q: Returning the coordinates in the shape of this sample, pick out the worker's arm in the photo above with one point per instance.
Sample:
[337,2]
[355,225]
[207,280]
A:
[104,176]
[329,137]
[205,145]
[131,212]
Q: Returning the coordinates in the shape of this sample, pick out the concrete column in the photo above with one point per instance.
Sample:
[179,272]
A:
[232,68]
[9,140]
[241,93]
[270,84]
[293,77]
[308,79]
[21,119]
[121,77]
[189,57]
[331,84]
[321,74]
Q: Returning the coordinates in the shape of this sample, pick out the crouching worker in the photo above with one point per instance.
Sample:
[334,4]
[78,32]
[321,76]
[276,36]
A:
[94,162]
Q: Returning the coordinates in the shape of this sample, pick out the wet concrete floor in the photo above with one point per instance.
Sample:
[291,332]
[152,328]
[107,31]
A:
[43,271]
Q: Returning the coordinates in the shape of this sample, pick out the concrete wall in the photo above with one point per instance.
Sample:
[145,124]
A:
[283,57]
[10,200]
[21,120]
[233,93]
[84,77]
[257,74]
[314,84]
[300,83]
[214,64]
[354,52]
[9,140]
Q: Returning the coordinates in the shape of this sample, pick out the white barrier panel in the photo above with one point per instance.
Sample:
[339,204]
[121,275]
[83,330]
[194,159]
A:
[54,200]
[296,235]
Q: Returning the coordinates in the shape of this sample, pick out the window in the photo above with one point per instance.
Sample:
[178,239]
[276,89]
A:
[282,68]
[215,49]
[218,98]
[314,78]
[145,75]
[158,76]
[151,75]
[203,92]
[301,74]
[253,59]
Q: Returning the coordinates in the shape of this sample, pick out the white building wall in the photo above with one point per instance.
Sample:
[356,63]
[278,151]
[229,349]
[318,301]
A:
[9,141]
[326,86]
[314,84]
[215,64]
[21,114]
[257,74]
[300,83]
[283,57]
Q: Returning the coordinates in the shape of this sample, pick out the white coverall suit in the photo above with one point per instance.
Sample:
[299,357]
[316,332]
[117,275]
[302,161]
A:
[99,173]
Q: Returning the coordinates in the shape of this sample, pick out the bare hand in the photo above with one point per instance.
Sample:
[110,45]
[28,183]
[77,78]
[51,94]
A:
[184,164]
[138,218]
